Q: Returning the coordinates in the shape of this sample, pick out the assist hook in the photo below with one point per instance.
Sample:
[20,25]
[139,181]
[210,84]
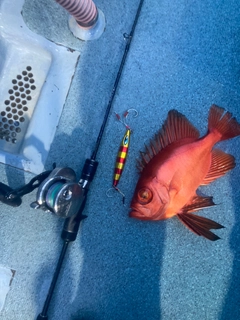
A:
[125,116]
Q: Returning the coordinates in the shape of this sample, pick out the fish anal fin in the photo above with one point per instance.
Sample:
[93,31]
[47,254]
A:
[221,163]
[200,225]
[176,127]
[197,203]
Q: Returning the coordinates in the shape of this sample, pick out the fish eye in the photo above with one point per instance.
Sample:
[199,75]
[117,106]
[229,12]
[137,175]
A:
[144,195]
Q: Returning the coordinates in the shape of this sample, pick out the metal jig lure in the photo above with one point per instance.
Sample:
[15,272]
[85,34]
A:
[122,152]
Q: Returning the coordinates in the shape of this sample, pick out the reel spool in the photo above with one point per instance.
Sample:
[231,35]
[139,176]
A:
[59,193]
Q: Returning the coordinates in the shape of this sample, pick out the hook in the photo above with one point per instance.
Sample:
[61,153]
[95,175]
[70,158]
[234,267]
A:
[129,110]
[125,115]
[117,189]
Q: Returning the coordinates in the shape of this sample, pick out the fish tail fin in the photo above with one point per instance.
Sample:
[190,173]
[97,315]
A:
[200,225]
[222,121]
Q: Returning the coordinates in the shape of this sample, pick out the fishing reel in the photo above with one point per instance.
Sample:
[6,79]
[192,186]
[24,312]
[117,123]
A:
[60,193]
[58,190]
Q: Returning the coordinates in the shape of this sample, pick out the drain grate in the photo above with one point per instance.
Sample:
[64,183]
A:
[35,76]
[14,118]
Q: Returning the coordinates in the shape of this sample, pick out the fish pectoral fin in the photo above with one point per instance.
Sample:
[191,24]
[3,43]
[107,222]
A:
[197,203]
[221,163]
[200,225]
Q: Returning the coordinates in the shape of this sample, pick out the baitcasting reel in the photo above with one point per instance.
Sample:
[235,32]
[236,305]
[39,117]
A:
[60,193]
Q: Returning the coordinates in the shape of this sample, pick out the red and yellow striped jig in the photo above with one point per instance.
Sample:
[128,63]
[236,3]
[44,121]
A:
[122,152]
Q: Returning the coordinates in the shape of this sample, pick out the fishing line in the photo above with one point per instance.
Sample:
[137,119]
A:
[71,225]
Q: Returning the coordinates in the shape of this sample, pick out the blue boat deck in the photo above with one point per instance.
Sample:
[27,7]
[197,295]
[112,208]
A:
[184,55]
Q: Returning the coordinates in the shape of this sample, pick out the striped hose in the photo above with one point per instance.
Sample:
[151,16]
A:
[84,11]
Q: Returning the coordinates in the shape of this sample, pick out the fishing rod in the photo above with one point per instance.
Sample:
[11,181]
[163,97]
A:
[128,38]
[59,190]
[72,223]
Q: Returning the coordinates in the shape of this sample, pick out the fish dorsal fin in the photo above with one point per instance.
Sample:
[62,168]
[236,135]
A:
[221,163]
[176,127]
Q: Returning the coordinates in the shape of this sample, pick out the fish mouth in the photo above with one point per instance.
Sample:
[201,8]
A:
[135,213]
[148,215]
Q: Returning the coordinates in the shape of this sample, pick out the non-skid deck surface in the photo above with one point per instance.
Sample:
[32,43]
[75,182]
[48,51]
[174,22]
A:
[184,55]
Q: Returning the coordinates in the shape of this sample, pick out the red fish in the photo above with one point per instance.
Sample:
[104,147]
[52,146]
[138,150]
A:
[176,163]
